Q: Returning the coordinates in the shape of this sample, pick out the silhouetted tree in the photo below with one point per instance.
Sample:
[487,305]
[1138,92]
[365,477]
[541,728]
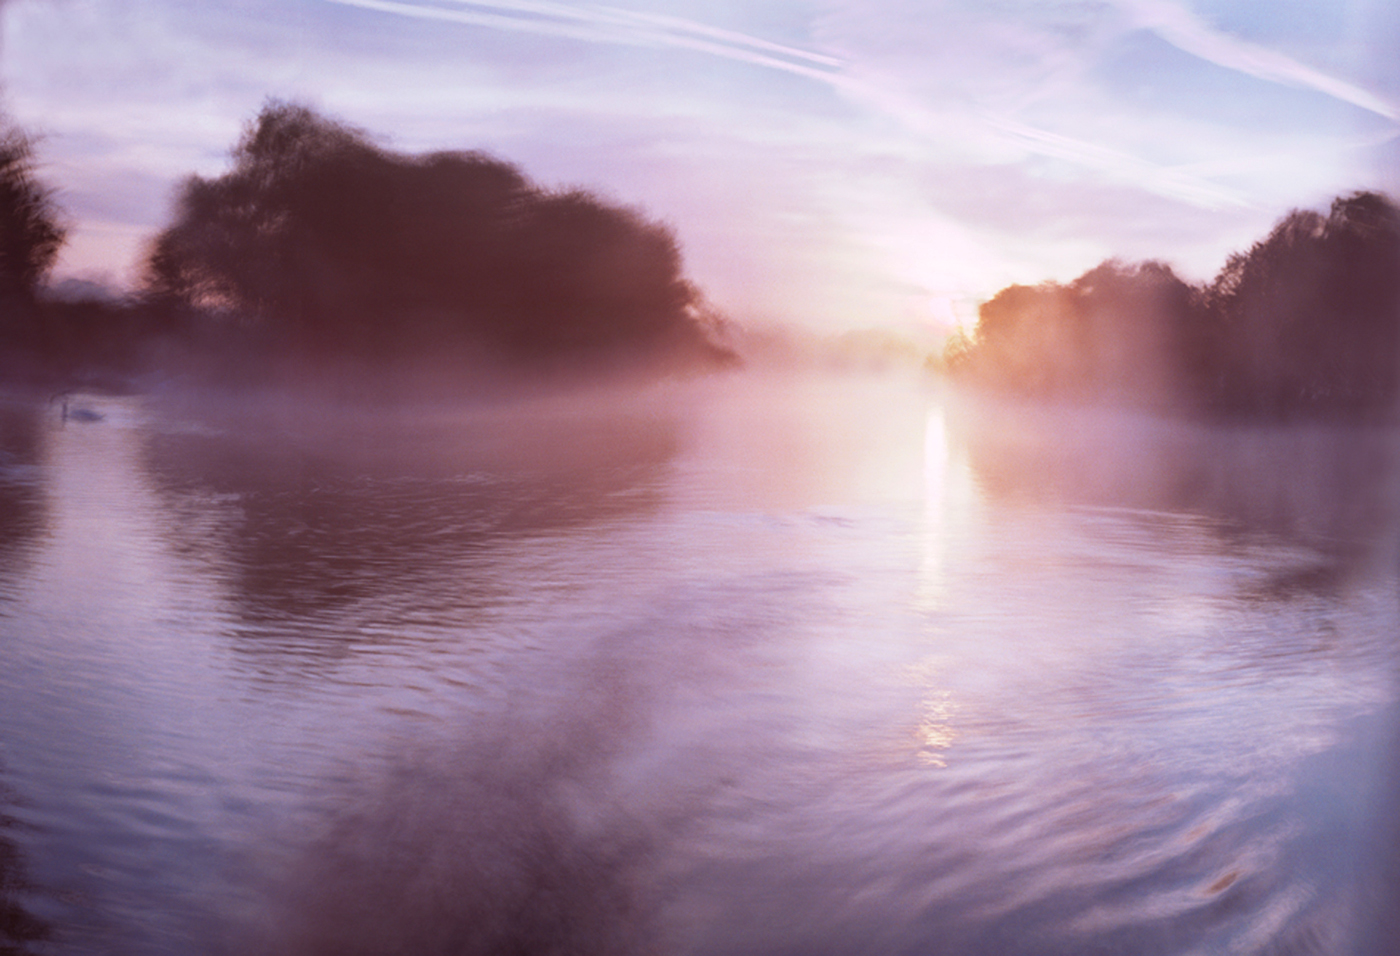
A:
[1305,322]
[30,234]
[1311,314]
[1118,331]
[1027,341]
[1140,322]
[30,237]
[336,245]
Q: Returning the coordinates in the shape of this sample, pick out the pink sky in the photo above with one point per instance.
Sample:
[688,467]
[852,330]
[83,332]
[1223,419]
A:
[834,164]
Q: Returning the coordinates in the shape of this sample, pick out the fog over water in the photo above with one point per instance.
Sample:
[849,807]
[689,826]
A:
[807,664]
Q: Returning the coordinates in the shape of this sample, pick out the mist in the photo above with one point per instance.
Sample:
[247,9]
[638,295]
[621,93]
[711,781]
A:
[412,566]
[1306,323]
[330,246]
[326,262]
[777,662]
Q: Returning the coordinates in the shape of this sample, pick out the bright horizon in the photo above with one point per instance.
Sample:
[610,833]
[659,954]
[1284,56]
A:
[830,164]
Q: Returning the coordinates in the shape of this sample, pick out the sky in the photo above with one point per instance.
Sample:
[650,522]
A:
[833,164]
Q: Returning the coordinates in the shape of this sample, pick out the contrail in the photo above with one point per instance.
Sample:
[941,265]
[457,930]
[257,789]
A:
[1173,182]
[600,24]
[1184,30]
[603,24]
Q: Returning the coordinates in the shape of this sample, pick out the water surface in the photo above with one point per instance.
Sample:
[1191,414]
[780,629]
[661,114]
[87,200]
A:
[811,666]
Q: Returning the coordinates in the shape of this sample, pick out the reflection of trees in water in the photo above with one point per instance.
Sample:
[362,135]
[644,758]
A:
[21,523]
[1304,521]
[1327,489]
[1381,909]
[511,839]
[557,822]
[21,496]
[18,927]
[308,523]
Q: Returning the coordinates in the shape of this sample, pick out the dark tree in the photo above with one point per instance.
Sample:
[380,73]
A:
[30,237]
[1028,341]
[1311,314]
[333,245]
[1118,332]
[30,234]
[1306,322]
[1139,325]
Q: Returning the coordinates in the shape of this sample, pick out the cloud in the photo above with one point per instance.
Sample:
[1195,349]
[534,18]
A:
[612,25]
[600,24]
[1189,33]
[1062,82]
[999,137]
[1173,182]
[782,140]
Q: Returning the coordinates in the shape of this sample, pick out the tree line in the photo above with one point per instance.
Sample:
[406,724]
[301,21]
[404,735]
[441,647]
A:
[320,244]
[1304,323]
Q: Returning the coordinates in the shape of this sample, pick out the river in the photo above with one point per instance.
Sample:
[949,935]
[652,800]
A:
[815,664]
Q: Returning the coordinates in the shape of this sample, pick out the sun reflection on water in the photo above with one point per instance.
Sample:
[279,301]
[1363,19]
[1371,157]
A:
[949,503]
[934,732]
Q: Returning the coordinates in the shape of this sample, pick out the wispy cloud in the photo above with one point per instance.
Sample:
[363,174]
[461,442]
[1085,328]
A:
[601,24]
[1173,182]
[1002,138]
[1187,32]
[955,142]
[606,24]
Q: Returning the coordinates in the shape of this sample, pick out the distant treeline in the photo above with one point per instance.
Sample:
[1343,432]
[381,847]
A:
[321,245]
[1305,323]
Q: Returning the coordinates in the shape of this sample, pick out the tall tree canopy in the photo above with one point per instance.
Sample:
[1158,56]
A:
[1118,331]
[337,245]
[1310,315]
[1307,321]
[30,232]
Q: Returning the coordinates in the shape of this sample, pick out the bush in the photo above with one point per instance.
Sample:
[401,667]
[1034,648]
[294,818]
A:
[336,246]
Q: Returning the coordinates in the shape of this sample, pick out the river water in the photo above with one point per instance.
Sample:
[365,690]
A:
[813,665]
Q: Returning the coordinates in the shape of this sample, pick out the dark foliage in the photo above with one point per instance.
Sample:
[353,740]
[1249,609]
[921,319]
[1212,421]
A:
[1310,316]
[30,234]
[1116,331]
[20,929]
[1307,322]
[30,237]
[332,245]
[43,341]
[99,343]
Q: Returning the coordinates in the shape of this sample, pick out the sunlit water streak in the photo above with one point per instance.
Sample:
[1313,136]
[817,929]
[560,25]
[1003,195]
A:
[811,666]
